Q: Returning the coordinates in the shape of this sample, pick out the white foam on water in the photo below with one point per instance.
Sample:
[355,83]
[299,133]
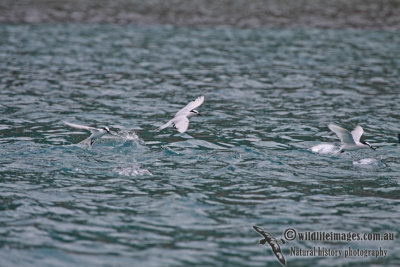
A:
[325,149]
[367,162]
[132,171]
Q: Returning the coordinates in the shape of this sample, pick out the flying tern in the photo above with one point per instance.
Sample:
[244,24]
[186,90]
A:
[181,119]
[273,242]
[350,140]
[96,133]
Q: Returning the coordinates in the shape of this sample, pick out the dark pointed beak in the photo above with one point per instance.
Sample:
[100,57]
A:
[374,148]
[199,114]
[368,144]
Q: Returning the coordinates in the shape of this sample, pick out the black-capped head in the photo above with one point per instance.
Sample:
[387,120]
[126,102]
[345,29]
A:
[106,129]
[368,144]
[195,112]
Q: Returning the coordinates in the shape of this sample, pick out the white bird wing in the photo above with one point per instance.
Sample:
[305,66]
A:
[166,125]
[83,127]
[181,124]
[356,133]
[192,105]
[344,135]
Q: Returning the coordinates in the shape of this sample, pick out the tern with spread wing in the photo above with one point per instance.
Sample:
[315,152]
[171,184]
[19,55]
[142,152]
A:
[181,119]
[273,242]
[96,133]
[350,140]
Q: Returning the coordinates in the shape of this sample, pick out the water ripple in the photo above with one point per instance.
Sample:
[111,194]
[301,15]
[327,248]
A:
[148,197]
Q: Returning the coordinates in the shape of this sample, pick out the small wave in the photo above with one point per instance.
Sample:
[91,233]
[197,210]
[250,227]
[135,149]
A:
[325,149]
[168,151]
[132,171]
[368,162]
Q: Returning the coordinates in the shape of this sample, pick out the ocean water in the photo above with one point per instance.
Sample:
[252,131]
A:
[149,198]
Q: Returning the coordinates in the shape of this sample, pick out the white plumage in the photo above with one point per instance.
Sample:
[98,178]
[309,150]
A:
[95,132]
[181,119]
[349,140]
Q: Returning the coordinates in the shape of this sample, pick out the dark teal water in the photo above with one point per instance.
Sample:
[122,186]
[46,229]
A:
[148,198]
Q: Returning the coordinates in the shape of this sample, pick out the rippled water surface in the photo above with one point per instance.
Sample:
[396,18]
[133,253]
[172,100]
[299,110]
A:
[149,198]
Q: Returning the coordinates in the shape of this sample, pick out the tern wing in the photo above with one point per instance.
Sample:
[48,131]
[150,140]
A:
[83,127]
[276,249]
[166,125]
[88,141]
[192,105]
[356,133]
[181,124]
[344,135]
[261,231]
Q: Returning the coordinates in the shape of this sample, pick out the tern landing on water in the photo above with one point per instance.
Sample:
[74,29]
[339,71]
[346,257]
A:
[181,119]
[96,133]
[350,140]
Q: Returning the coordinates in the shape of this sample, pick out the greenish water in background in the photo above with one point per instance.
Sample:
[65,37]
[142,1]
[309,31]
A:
[149,198]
